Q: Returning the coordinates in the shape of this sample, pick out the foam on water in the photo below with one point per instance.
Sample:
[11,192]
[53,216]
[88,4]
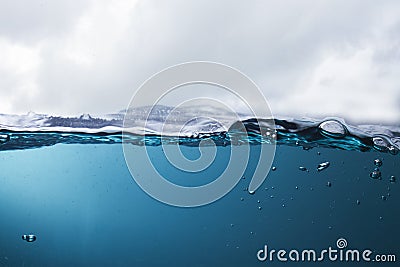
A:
[151,123]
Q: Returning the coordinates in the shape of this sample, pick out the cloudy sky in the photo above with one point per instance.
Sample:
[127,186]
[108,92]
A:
[310,58]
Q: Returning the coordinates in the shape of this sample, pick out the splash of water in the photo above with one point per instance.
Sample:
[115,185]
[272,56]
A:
[38,130]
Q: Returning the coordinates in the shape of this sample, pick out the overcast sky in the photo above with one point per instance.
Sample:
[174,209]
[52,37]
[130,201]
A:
[310,58]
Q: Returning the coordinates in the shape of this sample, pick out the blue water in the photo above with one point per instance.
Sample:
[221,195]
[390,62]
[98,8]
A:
[81,202]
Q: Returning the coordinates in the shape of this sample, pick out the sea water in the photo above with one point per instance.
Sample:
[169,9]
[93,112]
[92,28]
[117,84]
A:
[73,191]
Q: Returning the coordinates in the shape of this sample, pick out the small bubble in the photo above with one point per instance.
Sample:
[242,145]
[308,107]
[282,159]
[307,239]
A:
[392,179]
[393,150]
[29,238]
[332,128]
[383,198]
[266,188]
[243,177]
[4,138]
[283,205]
[318,153]
[322,166]
[252,233]
[380,143]
[330,227]
[241,199]
[358,202]
[258,201]
[378,162]
[375,174]
[272,196]
[232,224]
[251,192]
[273,168]
[328,184]
[297,187]
[272,187]
[303,169]
[259,208]
[380,218]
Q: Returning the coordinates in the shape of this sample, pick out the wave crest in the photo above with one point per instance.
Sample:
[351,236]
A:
[36,130]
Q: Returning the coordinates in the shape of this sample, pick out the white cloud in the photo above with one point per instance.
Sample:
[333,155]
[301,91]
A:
[18,70]
[316,59]
[348,85]
[98,32]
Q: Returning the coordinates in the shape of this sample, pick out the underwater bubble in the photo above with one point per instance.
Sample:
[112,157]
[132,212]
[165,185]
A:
[241,199]
[29,238]
[258,201]
[358,202]
[273,168]
[301,168]
[4,138]
[393,150]
[383,198]
[232,225]
[378,162]
[260,208]
[332,128]
[297,187]
[328,184]
[380,143]
[251,192]
[375,174]
[392,179]
[283,205]
[322,166]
